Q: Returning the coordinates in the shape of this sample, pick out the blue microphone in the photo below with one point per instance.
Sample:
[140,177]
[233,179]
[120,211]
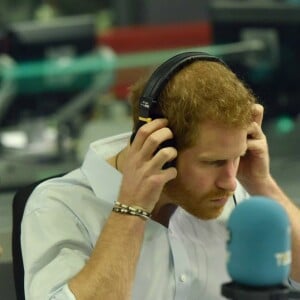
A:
[259,247]
[259,251]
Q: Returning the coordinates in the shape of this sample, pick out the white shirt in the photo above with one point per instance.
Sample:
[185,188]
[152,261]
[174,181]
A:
[63,220]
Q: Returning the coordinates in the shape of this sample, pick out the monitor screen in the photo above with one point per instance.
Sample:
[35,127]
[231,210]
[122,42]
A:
[68,36]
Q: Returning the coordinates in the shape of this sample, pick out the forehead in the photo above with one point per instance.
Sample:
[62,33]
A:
[215,139]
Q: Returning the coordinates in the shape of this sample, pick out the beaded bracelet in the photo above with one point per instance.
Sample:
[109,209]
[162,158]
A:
[131,210]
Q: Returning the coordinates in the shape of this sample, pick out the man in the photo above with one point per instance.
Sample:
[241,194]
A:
[124,226]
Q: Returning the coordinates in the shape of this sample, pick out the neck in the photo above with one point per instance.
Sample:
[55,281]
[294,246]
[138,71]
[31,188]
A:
[163,214]
[163,209]
[119,158]
[116,161]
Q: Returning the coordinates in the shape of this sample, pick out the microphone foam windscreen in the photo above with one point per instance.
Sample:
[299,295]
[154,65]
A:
[259,245]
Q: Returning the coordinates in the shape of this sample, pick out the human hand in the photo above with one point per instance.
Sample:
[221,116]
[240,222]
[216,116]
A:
[143,176]
[254,168]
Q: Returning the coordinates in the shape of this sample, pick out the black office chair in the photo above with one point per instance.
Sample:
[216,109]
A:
[19,202]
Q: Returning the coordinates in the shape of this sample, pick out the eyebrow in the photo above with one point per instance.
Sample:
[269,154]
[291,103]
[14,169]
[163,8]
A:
[214,158]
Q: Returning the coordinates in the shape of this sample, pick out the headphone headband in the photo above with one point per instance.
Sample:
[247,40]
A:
[170,67]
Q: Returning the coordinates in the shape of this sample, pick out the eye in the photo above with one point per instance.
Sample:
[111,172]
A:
[216,163]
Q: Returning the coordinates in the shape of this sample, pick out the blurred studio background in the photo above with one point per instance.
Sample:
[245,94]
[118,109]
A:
[65,68]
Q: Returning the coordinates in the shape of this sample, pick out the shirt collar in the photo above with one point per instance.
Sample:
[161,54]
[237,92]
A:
[105,180]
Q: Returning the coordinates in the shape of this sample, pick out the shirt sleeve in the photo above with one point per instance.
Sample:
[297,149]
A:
[55,247]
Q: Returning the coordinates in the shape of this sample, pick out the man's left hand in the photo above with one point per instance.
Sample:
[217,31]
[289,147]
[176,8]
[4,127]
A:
[254,168]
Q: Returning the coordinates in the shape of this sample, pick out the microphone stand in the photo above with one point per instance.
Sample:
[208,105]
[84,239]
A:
[235,291]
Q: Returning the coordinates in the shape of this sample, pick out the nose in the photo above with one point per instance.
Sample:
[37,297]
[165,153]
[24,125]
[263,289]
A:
[227,177]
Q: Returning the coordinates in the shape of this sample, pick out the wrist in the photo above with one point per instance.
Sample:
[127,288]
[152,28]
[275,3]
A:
[133,201]
[266,187]
[131,210]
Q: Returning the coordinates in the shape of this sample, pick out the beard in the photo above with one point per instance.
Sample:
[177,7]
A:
[204,206]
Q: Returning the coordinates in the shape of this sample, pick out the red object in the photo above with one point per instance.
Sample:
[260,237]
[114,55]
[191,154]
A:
[154,37]
[151,37]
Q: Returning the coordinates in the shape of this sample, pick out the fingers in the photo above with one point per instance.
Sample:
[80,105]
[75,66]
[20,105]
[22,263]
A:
[256,141]
[168,174]
[258,113]
[162,156]
[146,130]
[154,140]
[150,137]
[255,131]
[148,151]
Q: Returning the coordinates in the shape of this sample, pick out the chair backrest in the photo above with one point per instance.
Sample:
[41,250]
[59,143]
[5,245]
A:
[19,203]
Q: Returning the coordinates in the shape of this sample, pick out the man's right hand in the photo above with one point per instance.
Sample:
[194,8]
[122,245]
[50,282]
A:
[143,176]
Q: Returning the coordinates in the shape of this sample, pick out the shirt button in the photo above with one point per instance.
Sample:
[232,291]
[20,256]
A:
[182,278]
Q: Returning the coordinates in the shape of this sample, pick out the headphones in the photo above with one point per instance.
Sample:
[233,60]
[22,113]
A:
[149,100]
